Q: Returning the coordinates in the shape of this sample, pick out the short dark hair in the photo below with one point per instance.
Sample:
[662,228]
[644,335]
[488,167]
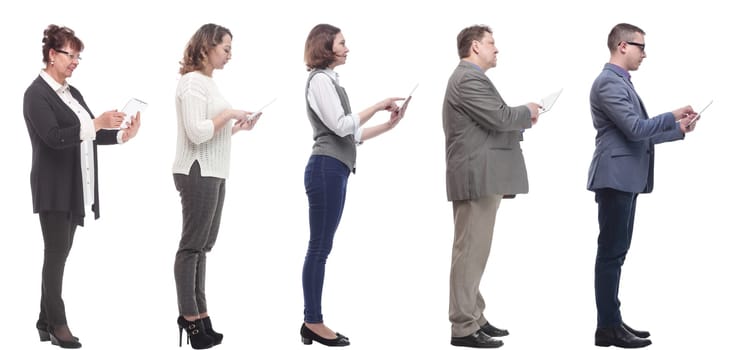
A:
[622,32]
[55,37]
[466,37]
[204,39]
[318,52]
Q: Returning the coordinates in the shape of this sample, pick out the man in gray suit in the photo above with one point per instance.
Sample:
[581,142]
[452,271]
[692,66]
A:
[484,164]
[623,167]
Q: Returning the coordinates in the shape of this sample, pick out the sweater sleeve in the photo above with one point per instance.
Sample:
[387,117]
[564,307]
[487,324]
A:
[192,100]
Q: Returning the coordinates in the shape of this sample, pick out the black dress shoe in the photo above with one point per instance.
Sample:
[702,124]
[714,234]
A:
[308,336]
[620,337]
[640,334]
[493,331]
[479,339]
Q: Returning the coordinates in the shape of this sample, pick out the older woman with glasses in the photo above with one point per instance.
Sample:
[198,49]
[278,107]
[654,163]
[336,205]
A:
[64,137]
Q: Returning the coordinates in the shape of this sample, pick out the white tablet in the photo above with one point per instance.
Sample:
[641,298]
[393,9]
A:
[133,106]
[405,104]
[259,111]
[699,113]
[549,101]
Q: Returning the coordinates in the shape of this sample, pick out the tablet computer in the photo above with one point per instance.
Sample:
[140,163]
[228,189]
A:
[259,111]
[548,101]
[406,101]
[133,106]
[699,113]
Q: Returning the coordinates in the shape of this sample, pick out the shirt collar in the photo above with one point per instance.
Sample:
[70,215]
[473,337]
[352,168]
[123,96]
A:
[618,70]
[332,74]
[59,88]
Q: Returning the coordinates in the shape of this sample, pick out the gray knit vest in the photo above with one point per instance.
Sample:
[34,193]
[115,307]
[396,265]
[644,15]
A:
[326,142]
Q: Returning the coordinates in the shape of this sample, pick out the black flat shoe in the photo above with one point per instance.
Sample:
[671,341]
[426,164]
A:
[620,337]
[640,334]
[479,339]
[493,331]
[308,336]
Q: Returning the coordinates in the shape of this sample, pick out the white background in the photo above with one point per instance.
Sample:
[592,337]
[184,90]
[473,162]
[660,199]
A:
[387,278]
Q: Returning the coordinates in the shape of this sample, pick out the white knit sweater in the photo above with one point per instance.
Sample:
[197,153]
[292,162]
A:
[197,101]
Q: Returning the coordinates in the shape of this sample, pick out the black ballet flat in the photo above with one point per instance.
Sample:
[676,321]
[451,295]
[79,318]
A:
[308,336]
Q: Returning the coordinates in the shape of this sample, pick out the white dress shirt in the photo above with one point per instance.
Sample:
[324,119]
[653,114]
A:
[87,135]
[324,100]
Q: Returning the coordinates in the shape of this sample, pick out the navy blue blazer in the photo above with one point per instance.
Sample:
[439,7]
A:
[56,174]
[625,138]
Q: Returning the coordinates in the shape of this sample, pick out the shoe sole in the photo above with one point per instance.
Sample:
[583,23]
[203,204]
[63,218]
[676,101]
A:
[606,344]
[467,345]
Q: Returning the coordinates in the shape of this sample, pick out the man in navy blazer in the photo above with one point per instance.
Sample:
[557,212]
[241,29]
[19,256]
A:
[622,167]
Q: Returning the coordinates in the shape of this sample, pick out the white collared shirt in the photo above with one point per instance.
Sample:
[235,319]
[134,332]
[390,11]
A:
[87,135]
[324,100]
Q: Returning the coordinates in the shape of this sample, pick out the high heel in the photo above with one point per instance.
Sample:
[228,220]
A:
[44,335]
[216,337]
[308,336]
[66,344]
[195,333]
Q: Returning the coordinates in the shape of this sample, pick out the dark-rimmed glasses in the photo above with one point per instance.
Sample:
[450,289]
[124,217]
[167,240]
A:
[73,57]
[640,45]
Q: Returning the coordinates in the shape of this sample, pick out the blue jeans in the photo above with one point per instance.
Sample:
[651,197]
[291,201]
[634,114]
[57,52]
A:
[325,181]
[616,222]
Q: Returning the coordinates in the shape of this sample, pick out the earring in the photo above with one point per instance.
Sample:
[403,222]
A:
[52,63]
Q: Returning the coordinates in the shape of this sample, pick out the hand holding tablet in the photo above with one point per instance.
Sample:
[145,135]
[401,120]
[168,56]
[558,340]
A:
[699,113]
[260,111]
[548,101]
[403,107]
[133,106]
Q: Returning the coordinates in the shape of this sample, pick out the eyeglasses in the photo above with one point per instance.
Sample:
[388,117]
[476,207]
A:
[71,56]
[640,45]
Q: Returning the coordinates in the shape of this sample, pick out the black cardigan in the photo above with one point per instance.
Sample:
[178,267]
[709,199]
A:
[56,175]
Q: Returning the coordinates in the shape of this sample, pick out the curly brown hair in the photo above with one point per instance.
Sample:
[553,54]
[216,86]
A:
[206,38]
[55,37]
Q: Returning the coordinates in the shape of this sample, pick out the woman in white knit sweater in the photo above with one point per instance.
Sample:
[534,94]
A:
[205,126]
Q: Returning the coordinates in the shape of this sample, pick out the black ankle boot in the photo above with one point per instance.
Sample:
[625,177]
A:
[196,335]
[216,337]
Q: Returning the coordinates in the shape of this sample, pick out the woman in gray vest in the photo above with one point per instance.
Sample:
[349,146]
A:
[337,131]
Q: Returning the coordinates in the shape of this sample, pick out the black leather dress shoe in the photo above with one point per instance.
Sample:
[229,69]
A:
[620,337]
[640,334]
[493,331]
[476,340]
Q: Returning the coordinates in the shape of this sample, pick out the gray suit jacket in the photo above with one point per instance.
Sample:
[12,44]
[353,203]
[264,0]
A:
[624,144]
[482,136]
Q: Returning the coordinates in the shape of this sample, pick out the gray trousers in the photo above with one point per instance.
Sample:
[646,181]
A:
[201,202]
[474,221]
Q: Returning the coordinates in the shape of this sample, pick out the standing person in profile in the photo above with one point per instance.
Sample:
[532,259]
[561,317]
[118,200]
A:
[484,165]
[336,132]
[202,163]
[622,167]
[64,136]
